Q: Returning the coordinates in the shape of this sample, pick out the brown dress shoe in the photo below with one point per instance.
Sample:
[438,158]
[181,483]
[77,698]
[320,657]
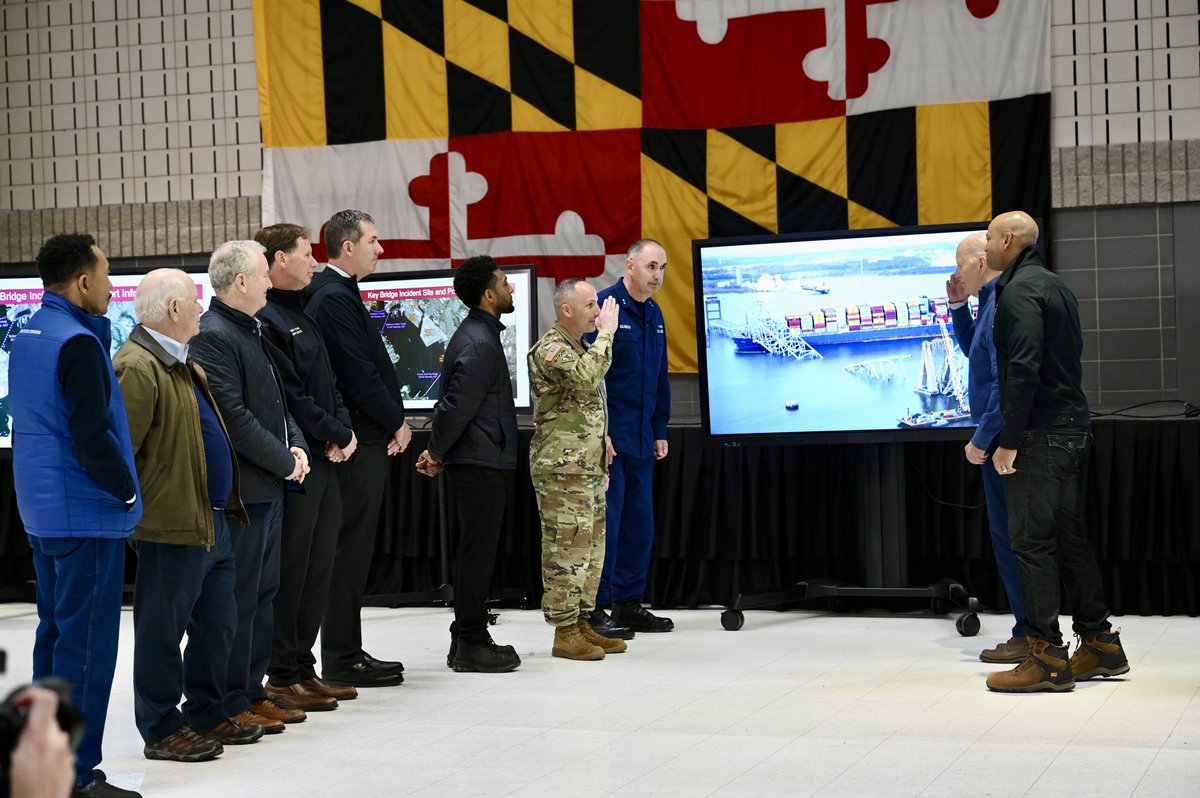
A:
[1015,650]
[271,709]
[269,725]
[299,697]
[342,692]
[233,732]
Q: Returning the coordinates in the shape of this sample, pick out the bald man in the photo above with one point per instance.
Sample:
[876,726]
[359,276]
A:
[185,573]
[974,278]
[1044,437]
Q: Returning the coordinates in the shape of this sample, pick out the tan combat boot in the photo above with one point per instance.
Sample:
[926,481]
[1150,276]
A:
[610,645]
[1099,654]
[1046,668]
[569,644]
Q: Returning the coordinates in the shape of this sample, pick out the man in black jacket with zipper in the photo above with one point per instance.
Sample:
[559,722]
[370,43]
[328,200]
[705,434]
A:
[474,438]
[1043,443]
[313,515]
[270,450]
[368,384]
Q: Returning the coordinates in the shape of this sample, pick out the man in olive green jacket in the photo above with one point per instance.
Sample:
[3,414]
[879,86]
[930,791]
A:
[185,568]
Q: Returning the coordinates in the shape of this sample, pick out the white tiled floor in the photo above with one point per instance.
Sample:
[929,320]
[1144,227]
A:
[794,704]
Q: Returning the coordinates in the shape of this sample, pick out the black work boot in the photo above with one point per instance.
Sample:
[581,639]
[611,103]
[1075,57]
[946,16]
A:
[605,626]
[485,657]
[453,644]
[1045,668]
[633,615]
[1099,654]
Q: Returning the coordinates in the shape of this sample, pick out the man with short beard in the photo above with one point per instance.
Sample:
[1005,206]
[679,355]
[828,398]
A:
[474,438]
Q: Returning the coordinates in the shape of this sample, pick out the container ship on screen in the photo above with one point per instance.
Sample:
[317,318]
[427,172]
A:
[888,321]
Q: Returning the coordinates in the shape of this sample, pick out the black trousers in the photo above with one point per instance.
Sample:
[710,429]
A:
[479,496]
[182,589]
[1044,511]
[360,481]
[256,558]
[306,551]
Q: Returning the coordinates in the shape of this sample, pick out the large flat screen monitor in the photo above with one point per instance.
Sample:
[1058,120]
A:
[417,312]
[20,298]
[830,337]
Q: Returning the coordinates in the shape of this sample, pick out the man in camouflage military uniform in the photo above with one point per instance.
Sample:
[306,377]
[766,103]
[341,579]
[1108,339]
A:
[568,464]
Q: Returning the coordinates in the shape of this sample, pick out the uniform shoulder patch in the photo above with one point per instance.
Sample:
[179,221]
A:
[552,351]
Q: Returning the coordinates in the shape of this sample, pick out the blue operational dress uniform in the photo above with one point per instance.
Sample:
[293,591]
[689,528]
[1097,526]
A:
[975,338]
[639,405]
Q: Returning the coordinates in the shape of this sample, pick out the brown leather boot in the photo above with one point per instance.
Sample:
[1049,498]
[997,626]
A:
[1045,668]
[251,718]
[610,645]
[1015,650]
[569,644]
[1099,654]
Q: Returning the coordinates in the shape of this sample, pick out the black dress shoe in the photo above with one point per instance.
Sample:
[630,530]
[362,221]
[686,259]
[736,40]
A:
[485,658]
[364,674]
[605,626]
[383,664]
[638,618]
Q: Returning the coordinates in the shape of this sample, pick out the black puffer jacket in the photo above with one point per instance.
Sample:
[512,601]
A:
[475,421]
[230,350]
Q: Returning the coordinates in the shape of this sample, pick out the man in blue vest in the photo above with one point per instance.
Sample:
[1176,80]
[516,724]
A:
[974,278]
[76,483]
[639,404]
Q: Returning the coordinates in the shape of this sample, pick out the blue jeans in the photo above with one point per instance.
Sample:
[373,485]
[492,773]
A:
[79,582]
[1044,517]
[182,589]
[256,555]
[629,530]
[1006,560]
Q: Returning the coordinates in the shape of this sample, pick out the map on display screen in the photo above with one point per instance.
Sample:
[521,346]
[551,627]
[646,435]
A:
[21,297]
[418,312]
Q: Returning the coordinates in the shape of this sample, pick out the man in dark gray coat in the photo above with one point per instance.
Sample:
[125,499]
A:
[270,450]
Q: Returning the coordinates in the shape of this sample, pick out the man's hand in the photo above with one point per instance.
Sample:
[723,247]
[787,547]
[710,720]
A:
[400,440]
[606,481]
[349,450]
[660,450]
[609,313]
[975,455]
[428,466]
[333,452]
[609,451]
[42,765]
[1003,459]
[301,469]
[955,290]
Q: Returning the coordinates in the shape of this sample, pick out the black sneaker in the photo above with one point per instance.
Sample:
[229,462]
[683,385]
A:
[485,658]
[636,617]
[99,787]
[605,626]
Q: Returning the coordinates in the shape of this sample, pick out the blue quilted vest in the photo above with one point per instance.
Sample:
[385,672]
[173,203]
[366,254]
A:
[55,495]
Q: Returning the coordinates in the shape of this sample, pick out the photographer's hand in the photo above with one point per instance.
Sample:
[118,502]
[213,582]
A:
[42,764]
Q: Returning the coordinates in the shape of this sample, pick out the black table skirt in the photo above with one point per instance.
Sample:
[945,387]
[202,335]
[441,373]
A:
[759,518]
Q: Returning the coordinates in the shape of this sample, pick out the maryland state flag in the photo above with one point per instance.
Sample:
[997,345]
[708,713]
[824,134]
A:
[560,131]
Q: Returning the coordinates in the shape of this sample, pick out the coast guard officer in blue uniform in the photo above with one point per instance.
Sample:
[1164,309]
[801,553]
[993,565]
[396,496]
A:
[639,404]
[973,278]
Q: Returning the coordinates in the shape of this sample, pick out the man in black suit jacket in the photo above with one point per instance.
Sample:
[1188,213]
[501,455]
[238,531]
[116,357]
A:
[368,384]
